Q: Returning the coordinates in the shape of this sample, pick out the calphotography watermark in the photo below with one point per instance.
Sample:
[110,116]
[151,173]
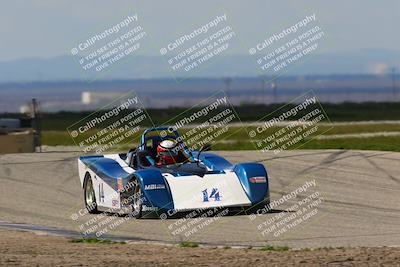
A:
[110,218]
[106,48]
[290,126]
[288,46]
[196,222]
[198,207]
[295,208]
[118,123]
[207,123]
[200,46]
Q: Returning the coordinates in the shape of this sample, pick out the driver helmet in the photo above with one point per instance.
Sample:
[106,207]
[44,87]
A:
[167,152]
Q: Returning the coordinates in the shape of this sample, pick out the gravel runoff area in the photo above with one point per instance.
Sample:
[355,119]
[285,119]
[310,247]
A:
[29,249]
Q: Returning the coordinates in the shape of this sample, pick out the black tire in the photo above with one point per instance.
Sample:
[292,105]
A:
[89,196]
[136,203]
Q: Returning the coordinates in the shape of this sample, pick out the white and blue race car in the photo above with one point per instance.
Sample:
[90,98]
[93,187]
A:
[133,182]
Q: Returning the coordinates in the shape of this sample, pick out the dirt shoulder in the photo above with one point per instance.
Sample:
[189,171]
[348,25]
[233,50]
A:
[28,249]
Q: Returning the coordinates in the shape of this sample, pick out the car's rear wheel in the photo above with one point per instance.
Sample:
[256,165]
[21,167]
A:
[89,195]
[137,201]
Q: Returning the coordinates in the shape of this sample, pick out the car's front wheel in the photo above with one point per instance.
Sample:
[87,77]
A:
[137,200]
[89,195]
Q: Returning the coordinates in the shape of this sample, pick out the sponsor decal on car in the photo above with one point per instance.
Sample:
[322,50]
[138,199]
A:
[115,203]
[119,185]
[147,208]
[258,180]
[154,186]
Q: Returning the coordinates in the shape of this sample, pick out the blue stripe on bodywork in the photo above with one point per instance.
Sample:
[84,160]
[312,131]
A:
[255,192]
[214,162]
[107,169]
[160,198]
[179,174]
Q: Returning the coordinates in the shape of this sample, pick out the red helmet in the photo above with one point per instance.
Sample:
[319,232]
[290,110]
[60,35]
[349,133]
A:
[167,152]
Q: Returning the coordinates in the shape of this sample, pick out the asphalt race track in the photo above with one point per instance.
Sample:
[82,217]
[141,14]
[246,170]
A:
[360,193]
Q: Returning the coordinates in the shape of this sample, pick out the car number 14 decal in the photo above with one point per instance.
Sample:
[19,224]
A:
[214,195]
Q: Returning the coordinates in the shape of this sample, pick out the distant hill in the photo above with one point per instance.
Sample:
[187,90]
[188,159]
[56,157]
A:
[64,68]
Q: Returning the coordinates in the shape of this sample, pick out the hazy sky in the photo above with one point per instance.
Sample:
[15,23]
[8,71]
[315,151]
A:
[48,28]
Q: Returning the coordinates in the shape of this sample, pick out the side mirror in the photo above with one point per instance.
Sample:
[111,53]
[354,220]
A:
[206,147]
[133,149]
